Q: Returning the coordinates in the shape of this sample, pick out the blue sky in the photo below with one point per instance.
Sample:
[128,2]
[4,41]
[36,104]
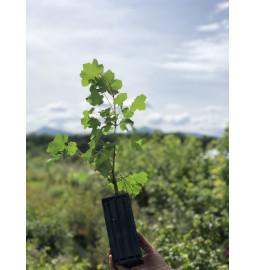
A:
[174,52]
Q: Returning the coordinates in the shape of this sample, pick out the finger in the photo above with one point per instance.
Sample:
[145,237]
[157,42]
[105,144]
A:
[145,245]
[111,263]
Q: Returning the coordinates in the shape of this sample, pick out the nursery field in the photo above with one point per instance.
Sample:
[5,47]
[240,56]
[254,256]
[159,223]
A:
[182,209]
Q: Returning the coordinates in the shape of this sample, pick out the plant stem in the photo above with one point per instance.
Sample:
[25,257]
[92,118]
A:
[114,181]
[114,155]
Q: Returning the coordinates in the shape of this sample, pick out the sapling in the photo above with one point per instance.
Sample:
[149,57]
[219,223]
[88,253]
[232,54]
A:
[107,114]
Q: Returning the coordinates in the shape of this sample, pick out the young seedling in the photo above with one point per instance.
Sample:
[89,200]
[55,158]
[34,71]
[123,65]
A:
[104,90]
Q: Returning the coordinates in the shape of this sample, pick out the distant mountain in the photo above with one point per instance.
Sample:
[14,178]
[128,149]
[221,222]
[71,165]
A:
[200,136]
[50,131]
[54,132]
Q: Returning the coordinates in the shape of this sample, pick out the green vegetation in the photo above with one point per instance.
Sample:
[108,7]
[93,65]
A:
[103,155]
[182,210]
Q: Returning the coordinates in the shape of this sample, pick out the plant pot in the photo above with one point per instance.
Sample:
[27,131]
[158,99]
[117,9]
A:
[121,229]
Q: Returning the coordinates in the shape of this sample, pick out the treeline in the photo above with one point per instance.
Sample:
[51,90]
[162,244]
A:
[35,143]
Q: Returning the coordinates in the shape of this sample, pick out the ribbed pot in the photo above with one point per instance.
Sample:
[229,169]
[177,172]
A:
[121,230]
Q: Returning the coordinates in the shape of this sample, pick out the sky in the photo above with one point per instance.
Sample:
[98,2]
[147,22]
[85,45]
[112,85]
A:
[174,52]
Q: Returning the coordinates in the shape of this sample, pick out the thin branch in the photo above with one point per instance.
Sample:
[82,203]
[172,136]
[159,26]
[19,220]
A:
[114,148]
[108,101]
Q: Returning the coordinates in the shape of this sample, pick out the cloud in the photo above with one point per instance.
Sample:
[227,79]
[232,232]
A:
[204,58]
[179,119]
[155,118]
[213,27]
[209,27]
[55,115]
[57,107]
[222,6]
[164,119]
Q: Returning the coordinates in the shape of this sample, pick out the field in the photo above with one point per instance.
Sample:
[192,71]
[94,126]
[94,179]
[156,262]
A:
[182,209]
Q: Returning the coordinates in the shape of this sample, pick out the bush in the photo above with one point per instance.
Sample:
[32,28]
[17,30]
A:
[182,210]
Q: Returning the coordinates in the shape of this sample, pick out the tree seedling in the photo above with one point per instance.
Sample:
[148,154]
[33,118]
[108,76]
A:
[107,114]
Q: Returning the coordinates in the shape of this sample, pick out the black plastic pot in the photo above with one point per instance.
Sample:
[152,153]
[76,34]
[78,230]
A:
[121,230]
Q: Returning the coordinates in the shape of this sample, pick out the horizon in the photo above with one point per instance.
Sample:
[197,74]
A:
[53,132]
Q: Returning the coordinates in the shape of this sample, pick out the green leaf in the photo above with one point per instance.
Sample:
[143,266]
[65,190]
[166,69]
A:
[86,118]
[102,84]
[133,183]
[116,85]
[124,123]
[107,128]
[136,142]
[110,76]
[95,98]
[129,121]
[97,135]
[94,123]
[105,169]
[123,126]
[90,72]
[58,144]
[92,145]
[120,99]
[138,103]
[71,148]
[51,160]
[106,154]
[105,112]
[87,155]
[127,113]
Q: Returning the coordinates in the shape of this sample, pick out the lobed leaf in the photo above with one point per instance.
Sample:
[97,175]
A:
[71,148]
[110,76]
[58,144]
[117,85]
[86,118]
[127,113]
[90,72]
[120,99]
[95,98]
[133,183]
[138,103]
[94,123]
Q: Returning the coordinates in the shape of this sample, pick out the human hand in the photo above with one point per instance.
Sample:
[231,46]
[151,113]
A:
[152,259]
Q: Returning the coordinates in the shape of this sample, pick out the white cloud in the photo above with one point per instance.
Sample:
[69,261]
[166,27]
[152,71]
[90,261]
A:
[222,6]
[155,118]
[204,58]
[163,119]
[209,27]
[55,115]
[213,26]
[179,119]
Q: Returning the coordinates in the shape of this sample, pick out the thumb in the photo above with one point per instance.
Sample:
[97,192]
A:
[112,267]
[145,245]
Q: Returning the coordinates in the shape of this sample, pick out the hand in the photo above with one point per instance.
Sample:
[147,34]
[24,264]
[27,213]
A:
[152,259]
